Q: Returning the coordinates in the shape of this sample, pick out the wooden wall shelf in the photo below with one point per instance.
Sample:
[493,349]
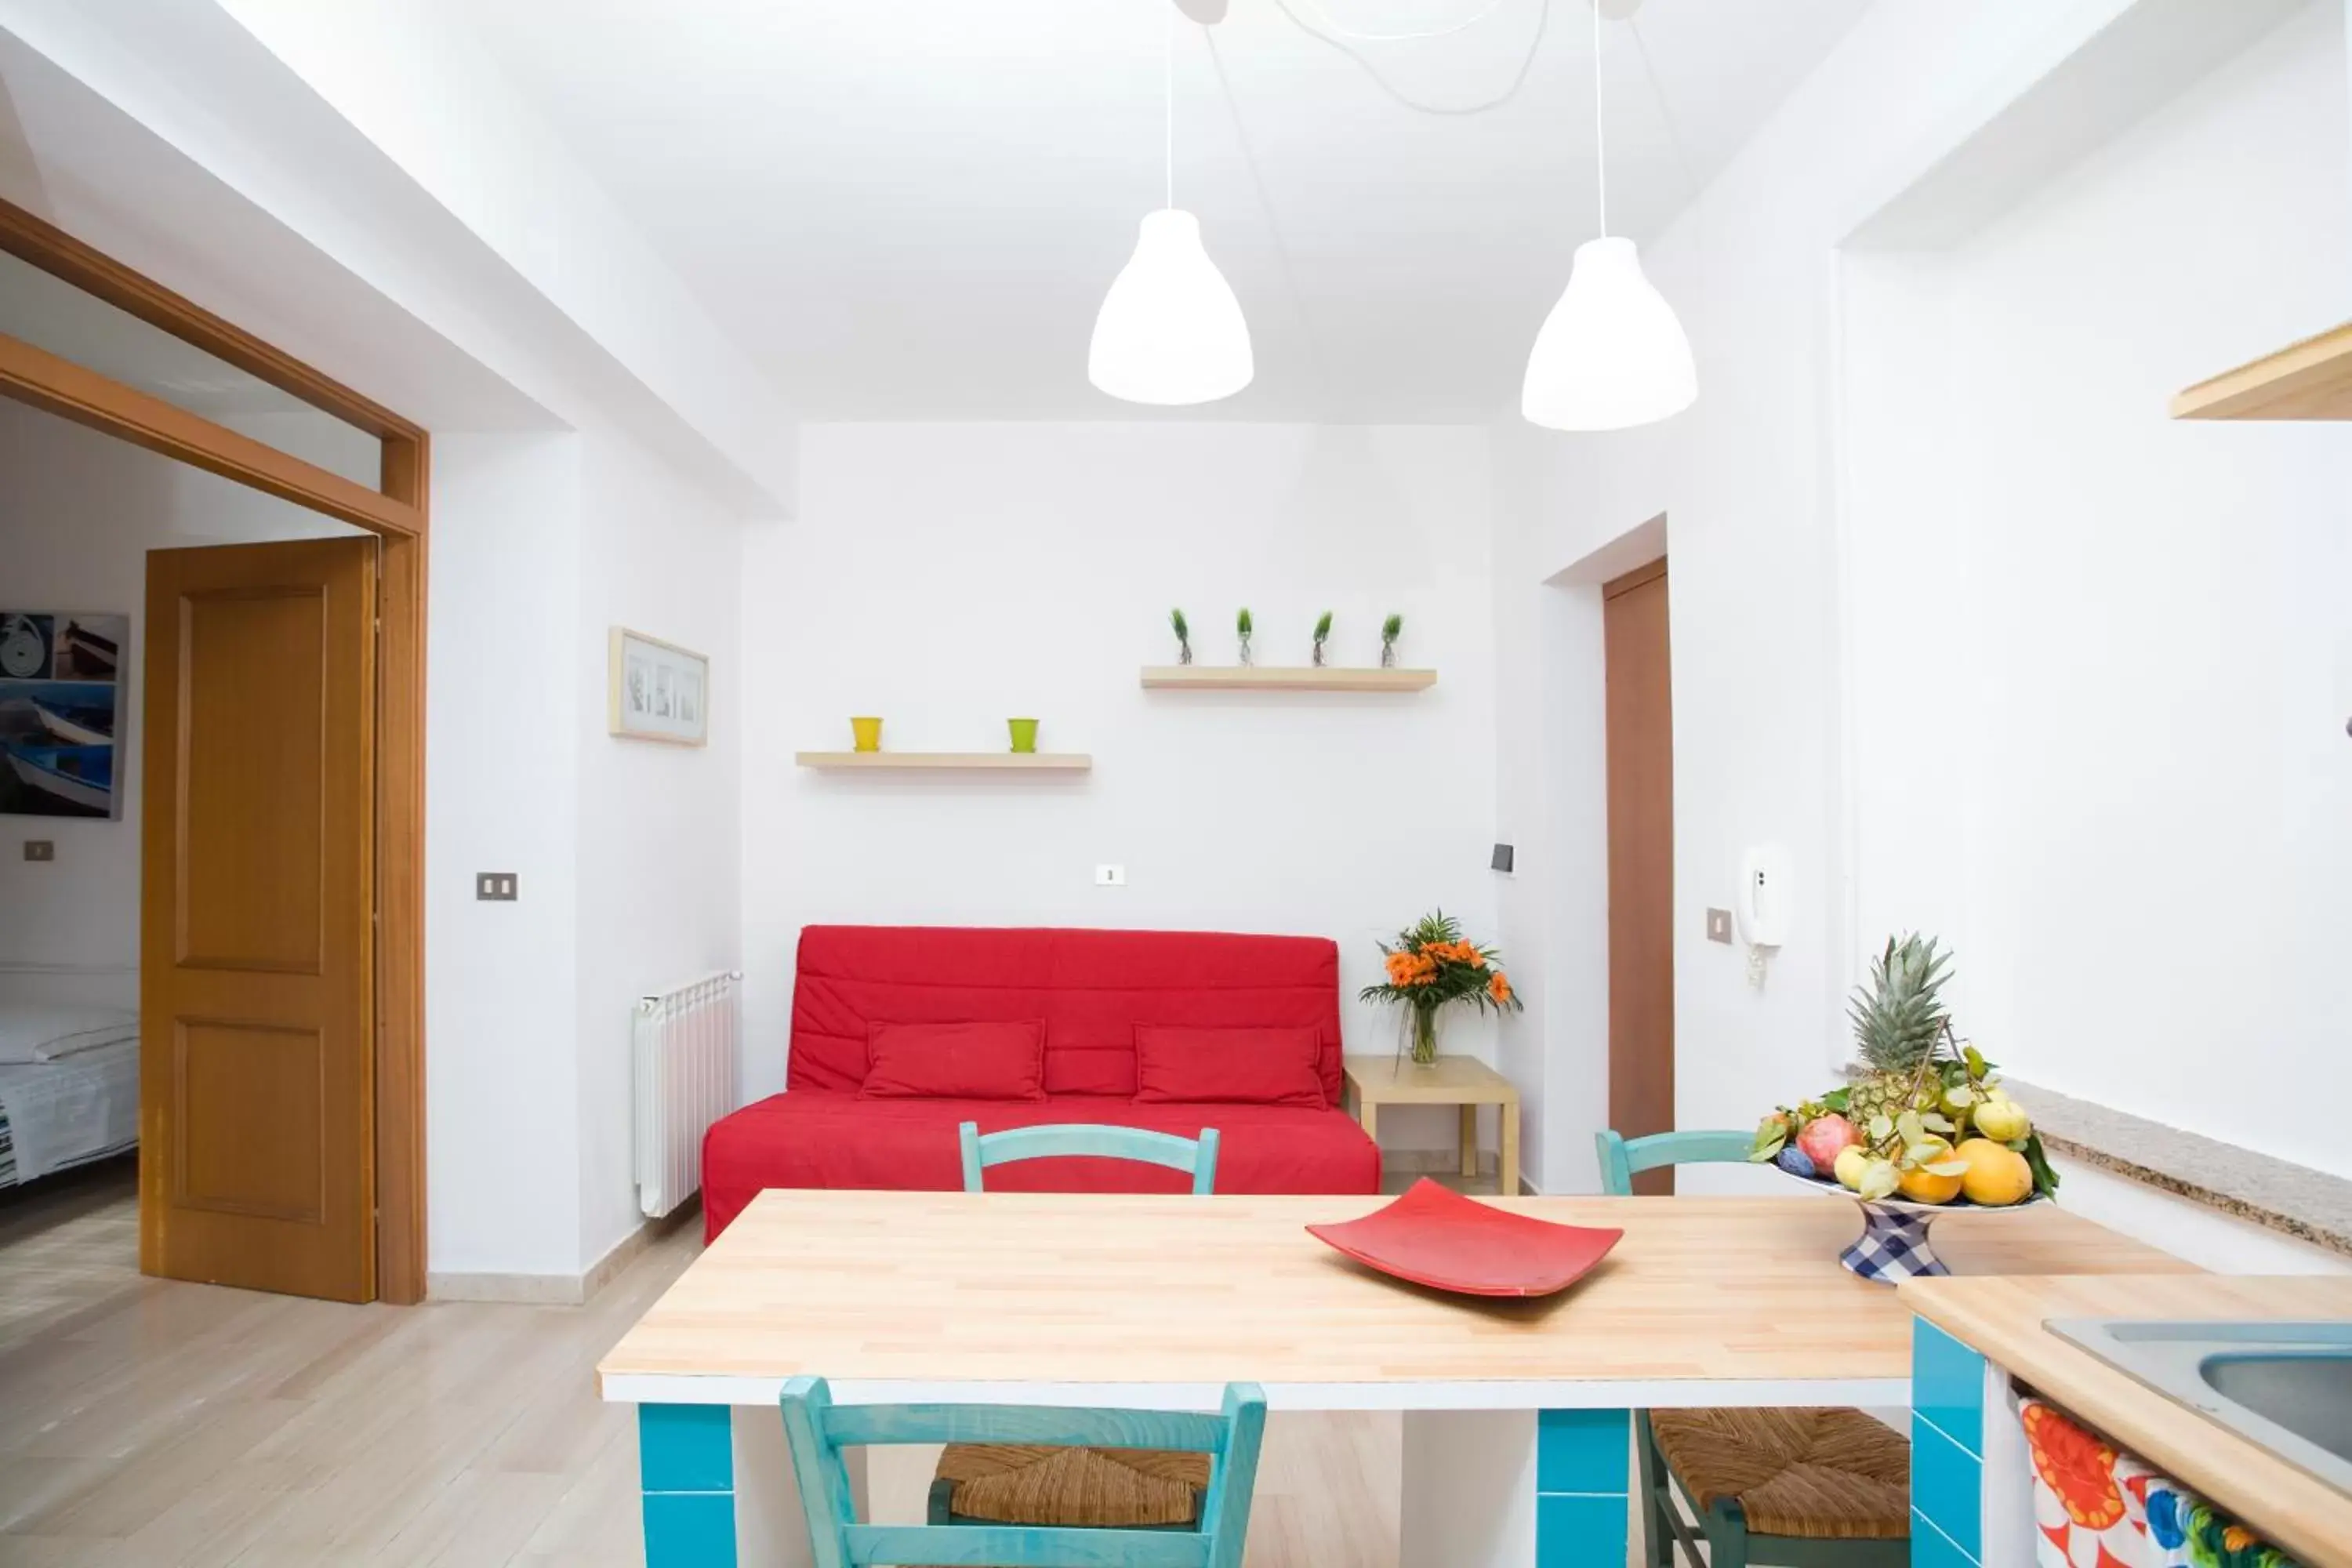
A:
[1269,677]
[2309,380]
[944,762]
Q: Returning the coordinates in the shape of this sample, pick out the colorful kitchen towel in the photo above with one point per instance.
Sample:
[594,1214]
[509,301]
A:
[2097,1507]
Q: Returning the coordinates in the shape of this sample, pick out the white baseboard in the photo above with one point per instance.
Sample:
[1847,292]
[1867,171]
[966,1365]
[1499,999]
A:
[527,1290]
[561,1289]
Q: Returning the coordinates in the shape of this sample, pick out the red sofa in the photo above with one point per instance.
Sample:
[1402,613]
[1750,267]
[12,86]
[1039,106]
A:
[1091,988]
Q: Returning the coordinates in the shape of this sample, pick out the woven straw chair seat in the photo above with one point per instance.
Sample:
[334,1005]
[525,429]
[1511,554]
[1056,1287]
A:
[1823,1475]
[1098,1488]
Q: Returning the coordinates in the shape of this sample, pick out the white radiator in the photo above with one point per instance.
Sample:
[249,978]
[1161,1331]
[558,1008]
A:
[686,1044]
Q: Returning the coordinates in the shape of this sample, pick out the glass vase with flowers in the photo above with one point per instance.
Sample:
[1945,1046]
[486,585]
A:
[1431,967]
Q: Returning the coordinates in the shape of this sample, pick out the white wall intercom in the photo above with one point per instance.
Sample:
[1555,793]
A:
[1761,906]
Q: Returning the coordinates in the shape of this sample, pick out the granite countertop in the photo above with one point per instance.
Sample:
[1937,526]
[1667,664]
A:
[2296,1200]
[2001,1316]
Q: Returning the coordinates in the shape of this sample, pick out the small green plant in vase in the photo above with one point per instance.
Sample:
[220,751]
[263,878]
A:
[1391,629]
[1183,631]
[1431,967]
[1242,625]
[1322,635]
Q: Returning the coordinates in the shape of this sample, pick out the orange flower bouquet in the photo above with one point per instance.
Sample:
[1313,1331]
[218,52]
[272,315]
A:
[1431,965]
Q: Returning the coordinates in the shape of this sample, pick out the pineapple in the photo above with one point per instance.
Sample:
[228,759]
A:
[1897,1024]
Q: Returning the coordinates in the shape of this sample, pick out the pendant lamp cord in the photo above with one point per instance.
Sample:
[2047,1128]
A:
[1168,93]
[1600,123]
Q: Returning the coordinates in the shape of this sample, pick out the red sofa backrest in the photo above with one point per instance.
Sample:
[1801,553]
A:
[1091,987]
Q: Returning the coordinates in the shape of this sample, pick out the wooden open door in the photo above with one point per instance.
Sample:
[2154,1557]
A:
[1641,770]
[256,1157]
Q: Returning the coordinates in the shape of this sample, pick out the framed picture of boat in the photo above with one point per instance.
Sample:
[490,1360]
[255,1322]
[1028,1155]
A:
[60,692]
[659,691]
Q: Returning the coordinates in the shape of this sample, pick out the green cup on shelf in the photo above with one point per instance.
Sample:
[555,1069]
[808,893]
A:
[867,733]
[1024,734]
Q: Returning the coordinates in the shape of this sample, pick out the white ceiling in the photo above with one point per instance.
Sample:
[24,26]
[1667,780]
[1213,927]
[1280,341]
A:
[909,209]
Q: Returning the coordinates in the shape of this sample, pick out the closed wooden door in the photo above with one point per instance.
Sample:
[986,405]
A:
[255,1158]
[1641,767]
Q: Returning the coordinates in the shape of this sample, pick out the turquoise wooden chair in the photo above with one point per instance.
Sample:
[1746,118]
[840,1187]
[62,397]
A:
[1084,1486]
[816,1430]
[1197,1157]
[1807,1489]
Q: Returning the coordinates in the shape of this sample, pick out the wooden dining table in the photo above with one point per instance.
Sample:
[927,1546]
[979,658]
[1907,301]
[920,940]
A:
[1516,1412]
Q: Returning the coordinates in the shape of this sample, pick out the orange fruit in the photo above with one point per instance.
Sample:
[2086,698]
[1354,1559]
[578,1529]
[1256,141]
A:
[1997,1176]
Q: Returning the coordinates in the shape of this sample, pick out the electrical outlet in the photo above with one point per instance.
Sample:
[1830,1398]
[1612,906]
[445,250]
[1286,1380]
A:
[495,887]
[1110,876]
[40,850]
[1718,925]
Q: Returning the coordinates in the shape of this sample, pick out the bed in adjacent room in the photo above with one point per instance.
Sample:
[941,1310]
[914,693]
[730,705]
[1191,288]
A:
[68,1088]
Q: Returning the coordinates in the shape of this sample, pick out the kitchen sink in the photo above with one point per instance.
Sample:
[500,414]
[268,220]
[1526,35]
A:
[2286,1386]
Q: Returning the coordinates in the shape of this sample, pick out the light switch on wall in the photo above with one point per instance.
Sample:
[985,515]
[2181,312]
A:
[1718,925]
[1110,876]
[495,887]
[40,850]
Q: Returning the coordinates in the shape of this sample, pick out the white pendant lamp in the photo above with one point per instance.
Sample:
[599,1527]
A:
[1611,356]
[1170,331]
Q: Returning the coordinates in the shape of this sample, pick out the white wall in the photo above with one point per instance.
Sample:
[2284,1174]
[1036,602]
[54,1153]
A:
[627,852]
[2130,631]
[948,577]
[504,725]
[659,848]
[79,512]
[1797,713]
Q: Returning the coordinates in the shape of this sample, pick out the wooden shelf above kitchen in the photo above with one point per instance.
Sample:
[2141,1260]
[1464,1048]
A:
[2309,380]
[947,762]
[1269,677]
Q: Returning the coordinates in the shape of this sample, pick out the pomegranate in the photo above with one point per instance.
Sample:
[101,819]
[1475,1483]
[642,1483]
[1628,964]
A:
[1825,1137]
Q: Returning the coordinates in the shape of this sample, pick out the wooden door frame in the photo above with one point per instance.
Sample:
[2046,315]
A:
[395,514]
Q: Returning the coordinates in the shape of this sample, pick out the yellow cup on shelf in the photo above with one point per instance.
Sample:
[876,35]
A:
[868,733]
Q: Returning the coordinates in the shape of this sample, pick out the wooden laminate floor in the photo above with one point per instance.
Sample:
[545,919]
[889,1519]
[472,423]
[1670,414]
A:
[147,1422]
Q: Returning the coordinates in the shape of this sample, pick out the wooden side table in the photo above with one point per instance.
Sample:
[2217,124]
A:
[1373,1081]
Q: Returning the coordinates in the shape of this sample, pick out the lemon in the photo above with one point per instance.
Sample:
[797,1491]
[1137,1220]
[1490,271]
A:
[2002,1120]
[1997,1176]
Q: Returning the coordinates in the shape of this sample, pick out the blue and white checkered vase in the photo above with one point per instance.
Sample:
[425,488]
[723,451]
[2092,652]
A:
[1893,1244]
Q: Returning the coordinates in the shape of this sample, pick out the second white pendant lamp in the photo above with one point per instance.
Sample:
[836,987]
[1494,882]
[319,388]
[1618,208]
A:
[1171,331]
[1611,355]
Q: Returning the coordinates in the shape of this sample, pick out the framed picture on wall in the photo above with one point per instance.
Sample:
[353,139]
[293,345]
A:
[60,684]
[659,690]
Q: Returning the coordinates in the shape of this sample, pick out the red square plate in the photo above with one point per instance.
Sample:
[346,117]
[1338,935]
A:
[1434,1237]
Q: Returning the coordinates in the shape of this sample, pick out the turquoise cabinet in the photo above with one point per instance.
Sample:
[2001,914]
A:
[1947,1427]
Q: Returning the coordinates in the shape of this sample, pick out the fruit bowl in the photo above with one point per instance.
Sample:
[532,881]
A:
[1921,1116]
[1894,1241]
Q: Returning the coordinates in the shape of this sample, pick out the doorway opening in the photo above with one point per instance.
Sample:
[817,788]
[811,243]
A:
[279,955]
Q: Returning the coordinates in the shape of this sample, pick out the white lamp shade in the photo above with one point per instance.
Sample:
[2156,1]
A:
[1171,331]
[1611,356]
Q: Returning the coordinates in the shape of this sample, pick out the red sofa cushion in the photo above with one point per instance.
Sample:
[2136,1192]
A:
[815,1138]
[1091,987]
[955,1062]
[1239,1066]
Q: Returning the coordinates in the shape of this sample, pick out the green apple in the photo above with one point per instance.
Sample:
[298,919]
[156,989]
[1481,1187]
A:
[1852,1161]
